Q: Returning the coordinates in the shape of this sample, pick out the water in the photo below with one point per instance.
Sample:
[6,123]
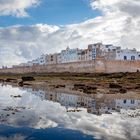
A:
[35,114]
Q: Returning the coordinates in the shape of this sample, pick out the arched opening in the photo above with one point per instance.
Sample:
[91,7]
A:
[125,57]
[132,57]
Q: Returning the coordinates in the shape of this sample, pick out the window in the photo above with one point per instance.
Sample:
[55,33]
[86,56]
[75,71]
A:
[132,101]
[132,57]
[125,57]
[124,101]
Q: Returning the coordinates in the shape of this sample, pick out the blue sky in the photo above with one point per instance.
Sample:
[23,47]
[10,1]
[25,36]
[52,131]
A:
[54,12]
[29,28]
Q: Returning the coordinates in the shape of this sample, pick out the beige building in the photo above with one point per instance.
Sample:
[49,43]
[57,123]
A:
[51,59]
[59,61]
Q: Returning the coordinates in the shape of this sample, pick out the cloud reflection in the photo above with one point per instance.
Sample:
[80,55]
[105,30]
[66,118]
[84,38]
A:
[46,114]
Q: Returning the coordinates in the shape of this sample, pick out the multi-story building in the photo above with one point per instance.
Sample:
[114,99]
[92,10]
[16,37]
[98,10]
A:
[127,54]
[69,55]
[42,60]
[81,55]
[51,59]
[59,61]
[92,52]
[107,52]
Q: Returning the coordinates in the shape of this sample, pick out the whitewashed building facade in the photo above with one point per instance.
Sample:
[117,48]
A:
[92,52]
[127,54]
[69,55]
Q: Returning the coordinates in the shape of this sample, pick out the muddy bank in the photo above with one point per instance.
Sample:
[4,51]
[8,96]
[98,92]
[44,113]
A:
[86,82]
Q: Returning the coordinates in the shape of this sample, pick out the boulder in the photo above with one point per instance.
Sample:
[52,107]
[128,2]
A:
[122,90]
[10,80]
[114,85]
[27,78]
[1,80]
[60,86]
[20,83]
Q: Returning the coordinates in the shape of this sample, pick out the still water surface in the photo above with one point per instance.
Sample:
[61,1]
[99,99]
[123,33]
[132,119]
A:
[35,114]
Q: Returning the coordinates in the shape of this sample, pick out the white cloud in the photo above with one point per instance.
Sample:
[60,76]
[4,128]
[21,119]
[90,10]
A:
[48,114]
[123,19]
[16,7]
[118,24]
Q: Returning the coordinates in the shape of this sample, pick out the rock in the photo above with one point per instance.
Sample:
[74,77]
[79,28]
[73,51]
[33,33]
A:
[137,86]
[20,83]
[16,96]
[91,87]
[1,80]
[10,80]
[114,85]
[27,78]
[122,90]
[79,85]
[113,91]
[88,89]
[60,86]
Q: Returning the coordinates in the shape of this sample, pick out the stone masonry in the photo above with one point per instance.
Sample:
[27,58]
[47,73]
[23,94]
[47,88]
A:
[93,66]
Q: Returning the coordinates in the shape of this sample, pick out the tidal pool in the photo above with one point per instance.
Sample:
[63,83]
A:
[35,114]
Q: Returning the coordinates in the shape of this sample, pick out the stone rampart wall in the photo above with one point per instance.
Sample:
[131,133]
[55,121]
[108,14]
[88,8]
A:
[94,66]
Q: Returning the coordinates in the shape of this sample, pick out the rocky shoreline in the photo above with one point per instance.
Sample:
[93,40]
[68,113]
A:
[86,83]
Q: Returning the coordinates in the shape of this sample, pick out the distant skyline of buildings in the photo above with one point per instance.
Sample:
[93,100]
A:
[92,52]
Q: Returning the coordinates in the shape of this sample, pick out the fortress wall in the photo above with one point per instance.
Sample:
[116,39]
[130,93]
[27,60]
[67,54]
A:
[97,66]
[122,66]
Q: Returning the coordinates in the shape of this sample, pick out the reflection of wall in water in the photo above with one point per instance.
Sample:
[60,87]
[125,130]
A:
[96,106]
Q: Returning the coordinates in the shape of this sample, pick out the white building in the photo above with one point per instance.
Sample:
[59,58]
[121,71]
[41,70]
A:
[28,64]
[39,61]
[59,61]
[127,54]
[33,62]
[42,60]
[94,51]
[69,55]
[99,50]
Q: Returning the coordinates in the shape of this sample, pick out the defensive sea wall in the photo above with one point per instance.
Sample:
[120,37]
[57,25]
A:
[94,66]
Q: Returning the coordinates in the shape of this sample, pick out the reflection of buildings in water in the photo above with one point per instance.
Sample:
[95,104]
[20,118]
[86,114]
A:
[38,92]
[97,106]
[127,104]
[67,100]
[51,96]
[113,105]
[102,106]
[75,101]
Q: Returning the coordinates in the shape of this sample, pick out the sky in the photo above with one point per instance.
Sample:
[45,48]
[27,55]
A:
[29,28]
